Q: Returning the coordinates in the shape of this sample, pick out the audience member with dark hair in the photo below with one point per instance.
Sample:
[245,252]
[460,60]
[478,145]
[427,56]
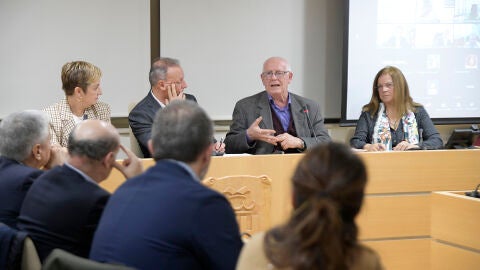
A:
[166,218]
[24,150]
[328,190]
[392,120]
[63,206]
[81,84]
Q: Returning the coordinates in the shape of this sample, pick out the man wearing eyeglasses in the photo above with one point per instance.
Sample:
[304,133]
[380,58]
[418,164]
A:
[167,84]
[275,120]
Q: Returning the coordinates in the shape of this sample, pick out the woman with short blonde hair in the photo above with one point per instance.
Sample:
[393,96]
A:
[81,84]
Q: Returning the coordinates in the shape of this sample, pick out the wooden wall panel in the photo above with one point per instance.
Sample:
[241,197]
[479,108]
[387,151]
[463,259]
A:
[395,216]
[456,219]
[422,171]
[447,257]
[403,254]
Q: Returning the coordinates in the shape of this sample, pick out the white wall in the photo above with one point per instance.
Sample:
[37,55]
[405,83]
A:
[39,36]
[222,45]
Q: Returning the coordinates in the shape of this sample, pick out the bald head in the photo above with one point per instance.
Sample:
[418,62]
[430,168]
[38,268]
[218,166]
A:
[91,129]
[277,62]
[93,139]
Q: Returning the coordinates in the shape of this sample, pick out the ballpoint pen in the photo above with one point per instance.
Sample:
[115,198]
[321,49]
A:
[221,141]
[217,152]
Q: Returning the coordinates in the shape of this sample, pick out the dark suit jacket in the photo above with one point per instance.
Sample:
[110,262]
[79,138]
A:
[141,119]
[62,210]
[15,180]
[166,219]
[250,108]
[431,139]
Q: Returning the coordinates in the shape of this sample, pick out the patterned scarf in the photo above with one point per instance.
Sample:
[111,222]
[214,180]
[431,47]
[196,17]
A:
[381,131]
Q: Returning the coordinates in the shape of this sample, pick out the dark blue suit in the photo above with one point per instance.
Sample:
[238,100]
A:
[166,219]
[141,119]
[62,210]
[15,180]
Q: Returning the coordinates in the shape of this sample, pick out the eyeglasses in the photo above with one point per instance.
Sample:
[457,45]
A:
[179,83]
[387,85]
[278,74]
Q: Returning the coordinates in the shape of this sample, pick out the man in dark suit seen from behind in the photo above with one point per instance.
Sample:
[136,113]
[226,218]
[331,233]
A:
[275,120]
[166,218]
[63,206]
[167,83]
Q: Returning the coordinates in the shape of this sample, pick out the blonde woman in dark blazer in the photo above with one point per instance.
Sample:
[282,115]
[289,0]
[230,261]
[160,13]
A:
[81,84]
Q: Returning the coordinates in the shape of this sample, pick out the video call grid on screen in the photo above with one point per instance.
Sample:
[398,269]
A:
[436,44]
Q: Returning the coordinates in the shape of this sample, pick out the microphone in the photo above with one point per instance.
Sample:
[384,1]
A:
[312,131]
[474,194]
[85,117]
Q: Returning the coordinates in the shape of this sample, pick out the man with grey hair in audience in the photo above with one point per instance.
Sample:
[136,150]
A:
[63,206]
[24,150]
[165,218]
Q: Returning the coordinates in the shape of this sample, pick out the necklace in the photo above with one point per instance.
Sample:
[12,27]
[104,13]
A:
[393,124]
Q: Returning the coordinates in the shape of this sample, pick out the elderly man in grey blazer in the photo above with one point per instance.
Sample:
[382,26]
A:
[275,120]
